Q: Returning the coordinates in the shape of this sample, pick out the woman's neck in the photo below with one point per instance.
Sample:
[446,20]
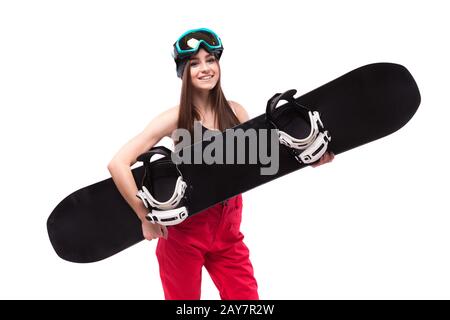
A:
[201,100]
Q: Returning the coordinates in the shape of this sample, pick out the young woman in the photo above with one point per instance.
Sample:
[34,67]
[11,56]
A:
[211,238]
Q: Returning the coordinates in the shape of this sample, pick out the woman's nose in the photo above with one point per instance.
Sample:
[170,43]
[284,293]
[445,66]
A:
[204,66]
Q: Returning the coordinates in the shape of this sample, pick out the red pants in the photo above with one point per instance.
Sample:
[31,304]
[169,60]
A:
[211,239]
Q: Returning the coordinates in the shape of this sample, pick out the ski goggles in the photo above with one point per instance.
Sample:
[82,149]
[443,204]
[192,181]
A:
[190,42]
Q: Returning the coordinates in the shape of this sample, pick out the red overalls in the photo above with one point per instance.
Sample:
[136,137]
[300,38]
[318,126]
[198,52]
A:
[212,239]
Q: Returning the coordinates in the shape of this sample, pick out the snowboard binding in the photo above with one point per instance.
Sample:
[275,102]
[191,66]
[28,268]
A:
[163,212]
[306,150]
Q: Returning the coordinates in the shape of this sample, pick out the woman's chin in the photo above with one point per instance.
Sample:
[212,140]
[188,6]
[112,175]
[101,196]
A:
[206,86]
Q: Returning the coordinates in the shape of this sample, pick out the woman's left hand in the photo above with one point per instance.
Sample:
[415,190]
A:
[327,157]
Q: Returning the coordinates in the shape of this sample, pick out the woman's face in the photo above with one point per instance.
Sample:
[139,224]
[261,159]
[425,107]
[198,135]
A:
[204,70]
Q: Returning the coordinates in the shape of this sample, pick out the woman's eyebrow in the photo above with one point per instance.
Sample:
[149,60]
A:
[206,57]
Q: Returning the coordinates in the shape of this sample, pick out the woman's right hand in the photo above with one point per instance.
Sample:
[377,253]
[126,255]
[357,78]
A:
[153,230]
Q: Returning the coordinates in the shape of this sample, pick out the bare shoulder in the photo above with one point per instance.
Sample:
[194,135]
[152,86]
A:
[165,122]
[239,110]
[160,126]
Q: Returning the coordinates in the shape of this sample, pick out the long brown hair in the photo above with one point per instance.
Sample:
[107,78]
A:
[223,115]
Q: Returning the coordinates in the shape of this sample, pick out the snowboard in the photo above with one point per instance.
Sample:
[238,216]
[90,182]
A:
[361,106]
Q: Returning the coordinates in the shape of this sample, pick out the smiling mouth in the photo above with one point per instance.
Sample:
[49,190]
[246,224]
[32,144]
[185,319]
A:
[206,78]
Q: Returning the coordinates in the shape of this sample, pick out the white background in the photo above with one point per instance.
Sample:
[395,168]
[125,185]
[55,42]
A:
[78,79]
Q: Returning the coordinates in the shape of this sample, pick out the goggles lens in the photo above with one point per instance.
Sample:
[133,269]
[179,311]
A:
[192,40]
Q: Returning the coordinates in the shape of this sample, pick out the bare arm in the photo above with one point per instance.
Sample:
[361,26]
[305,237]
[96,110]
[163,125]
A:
[119,166]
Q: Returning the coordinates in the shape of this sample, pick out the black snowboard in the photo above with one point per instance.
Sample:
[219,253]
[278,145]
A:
[361,106]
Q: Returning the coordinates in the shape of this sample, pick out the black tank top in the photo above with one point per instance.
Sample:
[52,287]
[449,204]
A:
[204,129]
